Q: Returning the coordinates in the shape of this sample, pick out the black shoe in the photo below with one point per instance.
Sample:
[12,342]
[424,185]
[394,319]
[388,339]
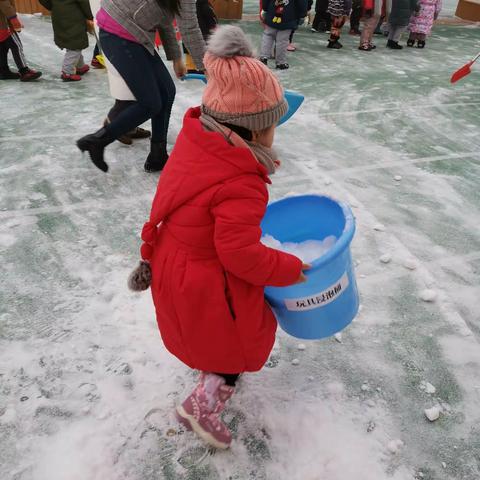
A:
[393,45]
[9,75]
[334,44]
[264,60]
[139,133]
[410,42]
[157,158]
[365,48]
[421,44]
[95,144]
[282,66]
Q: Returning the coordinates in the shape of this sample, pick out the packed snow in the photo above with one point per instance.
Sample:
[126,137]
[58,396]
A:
[307,251]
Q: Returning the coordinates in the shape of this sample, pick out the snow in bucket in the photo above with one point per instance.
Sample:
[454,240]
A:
[307,225]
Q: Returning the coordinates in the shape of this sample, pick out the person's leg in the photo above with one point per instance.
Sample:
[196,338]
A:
[4,48]
[396,34]
[167,90]
[70,61]
[281,48]
[268,39]
[337,24]
[201,410]
[134,63]
[158,156]
[230,378]
[26,74]
[17,52]
[421,38]
[355,17]
[80,61]
[136,66]
[368,28]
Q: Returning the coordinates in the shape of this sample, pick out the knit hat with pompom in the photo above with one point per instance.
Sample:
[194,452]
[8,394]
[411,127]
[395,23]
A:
[241,90]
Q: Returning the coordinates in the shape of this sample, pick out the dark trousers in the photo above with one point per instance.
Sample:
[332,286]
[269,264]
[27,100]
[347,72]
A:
[150,82]
[322,20]
[14,44]
[356,15]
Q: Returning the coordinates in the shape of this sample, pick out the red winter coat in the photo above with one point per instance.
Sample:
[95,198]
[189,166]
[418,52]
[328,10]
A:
[209,268]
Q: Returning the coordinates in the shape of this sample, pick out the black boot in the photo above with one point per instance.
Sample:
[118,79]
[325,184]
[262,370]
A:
[393,45]
[334,43]
[95,144]
[421,44]
[157,158]
[410,42]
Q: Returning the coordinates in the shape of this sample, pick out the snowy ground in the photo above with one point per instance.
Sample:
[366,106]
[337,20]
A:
[86,387]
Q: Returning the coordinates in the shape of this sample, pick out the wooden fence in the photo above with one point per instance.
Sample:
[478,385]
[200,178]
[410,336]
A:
[230,9]
[30,6]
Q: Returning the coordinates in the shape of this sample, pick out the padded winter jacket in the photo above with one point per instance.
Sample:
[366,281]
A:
[208,266]
[292,12]
[401,11]
[7,10]
[69,20]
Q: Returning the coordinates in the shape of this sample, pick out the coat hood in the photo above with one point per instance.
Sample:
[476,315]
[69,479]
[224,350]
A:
[199,160]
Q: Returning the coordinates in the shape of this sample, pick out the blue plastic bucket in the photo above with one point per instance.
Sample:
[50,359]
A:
[328,301]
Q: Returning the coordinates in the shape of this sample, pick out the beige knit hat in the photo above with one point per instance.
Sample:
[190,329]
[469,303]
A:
[241,90]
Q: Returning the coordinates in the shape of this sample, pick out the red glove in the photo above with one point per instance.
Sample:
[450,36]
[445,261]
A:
[15,24]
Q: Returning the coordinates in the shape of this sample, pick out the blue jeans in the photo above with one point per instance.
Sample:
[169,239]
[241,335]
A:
[150,82]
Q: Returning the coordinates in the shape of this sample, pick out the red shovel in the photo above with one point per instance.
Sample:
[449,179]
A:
[463,71]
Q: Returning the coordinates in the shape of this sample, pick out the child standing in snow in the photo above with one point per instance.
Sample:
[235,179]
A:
[10,26]
[71,19]
[421,24]
[280,17]
[371,12]
[398,19]
[339,11]
[202,253]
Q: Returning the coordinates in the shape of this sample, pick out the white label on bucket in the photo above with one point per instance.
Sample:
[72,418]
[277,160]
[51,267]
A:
[318,299]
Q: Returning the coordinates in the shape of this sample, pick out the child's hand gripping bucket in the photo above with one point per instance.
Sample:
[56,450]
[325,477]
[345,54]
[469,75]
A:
[328,301]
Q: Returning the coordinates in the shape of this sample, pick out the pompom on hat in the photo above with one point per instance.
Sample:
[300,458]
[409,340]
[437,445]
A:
[241,90]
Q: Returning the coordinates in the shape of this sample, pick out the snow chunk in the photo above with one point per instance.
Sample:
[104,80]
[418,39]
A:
[432,413]
[386,258]
[379,227]
[301,346]
[428,295]
[427,387]
[397,178]
[395,445]
[338,337]
[308,250]
[410,263]
[295,361]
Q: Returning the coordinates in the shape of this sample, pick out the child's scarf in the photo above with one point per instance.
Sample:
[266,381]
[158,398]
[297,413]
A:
[264,155]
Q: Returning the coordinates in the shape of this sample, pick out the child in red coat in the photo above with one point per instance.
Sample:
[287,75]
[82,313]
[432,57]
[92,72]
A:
[202,253]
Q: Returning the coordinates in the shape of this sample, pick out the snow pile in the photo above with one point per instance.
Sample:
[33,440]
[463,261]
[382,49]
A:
[308,251]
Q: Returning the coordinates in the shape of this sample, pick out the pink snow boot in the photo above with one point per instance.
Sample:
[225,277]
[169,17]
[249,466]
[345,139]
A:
[201,411]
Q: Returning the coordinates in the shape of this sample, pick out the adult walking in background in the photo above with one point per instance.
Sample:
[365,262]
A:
[118,90]
[127,37]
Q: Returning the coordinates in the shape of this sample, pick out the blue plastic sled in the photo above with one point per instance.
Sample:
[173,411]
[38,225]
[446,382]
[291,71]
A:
[293,99]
